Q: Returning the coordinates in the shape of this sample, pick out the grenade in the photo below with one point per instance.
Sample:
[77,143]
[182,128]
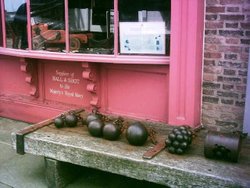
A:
[223,146]
[137,134]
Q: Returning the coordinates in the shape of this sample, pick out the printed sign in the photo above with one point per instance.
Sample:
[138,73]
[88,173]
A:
[64,83]
[142,37]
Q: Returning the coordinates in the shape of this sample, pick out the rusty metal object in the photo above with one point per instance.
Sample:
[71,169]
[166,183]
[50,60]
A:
[21,133]
[152,135]
[155,150]
[43,36]
[159,144]
[223,146]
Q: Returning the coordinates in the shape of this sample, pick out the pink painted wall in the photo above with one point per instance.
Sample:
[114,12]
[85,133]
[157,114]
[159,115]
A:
[139,91]
[1,36]
[12,79]
[38,85]
[185,62]
[63,82]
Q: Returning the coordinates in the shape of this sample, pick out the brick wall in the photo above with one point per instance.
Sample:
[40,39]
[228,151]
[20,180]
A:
[227,41]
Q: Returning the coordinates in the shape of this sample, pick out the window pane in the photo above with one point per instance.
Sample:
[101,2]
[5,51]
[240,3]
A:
[48,25]
[16,24]
[91,26]
[144,27]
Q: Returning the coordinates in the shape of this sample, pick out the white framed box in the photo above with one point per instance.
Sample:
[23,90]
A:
[142,37]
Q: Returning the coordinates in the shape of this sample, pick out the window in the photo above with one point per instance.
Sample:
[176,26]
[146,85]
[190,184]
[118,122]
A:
[119,27]
[48,25]
[91,26]
[16,24]
[144,26]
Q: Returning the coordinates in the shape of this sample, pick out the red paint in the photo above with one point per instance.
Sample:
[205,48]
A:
[185,62]
[64,83]
[139,91]
[3,22]
[14,84]
[116,23]
[29,23]
[66,23]
[121,59]
[157,88]
[1,36]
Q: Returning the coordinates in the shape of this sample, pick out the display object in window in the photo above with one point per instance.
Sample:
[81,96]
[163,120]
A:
[93,18]
[16,25]
[48,25]
[142,37]
[144,28]
[44,38]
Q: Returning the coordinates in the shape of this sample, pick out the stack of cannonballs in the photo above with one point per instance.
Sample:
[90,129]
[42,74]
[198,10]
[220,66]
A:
[179,140]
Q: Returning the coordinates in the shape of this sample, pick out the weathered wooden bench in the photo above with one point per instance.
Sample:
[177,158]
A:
[76,146]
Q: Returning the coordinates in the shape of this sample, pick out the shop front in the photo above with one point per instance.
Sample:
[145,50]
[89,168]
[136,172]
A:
[139,59]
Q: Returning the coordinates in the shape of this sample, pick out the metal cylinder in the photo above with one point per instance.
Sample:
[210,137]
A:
[223,146]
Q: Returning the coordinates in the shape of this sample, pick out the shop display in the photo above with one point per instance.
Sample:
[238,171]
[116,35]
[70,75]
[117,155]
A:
[142,37]
[90,26]
[59,121]
[217,145]
[113,130]
[145,27]
[222,146]
[69,119]
[45,38]
[136,134]
[93,116]
[179,139]
[95,128]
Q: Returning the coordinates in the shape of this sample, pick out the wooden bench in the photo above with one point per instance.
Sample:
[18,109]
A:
[76,146]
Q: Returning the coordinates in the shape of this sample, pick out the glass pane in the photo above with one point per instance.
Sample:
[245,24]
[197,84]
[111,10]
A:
[91,26]
[144,27]
[48,25]
[16,24]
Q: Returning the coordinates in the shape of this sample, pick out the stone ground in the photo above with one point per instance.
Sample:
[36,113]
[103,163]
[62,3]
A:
[27,171]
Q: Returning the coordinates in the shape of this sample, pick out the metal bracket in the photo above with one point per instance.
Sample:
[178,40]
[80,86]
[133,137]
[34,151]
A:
[155,150]
[20,144]
[21,134]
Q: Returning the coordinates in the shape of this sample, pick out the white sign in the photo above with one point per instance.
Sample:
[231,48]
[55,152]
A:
[142,37]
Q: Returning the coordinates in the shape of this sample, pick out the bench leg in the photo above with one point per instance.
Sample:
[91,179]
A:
[59,174]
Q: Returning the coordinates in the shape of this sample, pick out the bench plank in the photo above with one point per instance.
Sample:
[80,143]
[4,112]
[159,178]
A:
[76,146]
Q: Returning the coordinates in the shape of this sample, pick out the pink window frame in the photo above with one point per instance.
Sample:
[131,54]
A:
[185,60]
[113,58]
[3,23]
